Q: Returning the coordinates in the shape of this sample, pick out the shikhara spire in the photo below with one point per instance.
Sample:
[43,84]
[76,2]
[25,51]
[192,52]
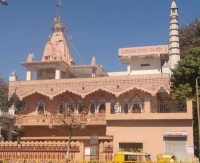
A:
[57,47]
[174,49]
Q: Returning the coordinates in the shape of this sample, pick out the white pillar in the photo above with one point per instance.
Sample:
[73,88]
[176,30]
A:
[29,74]
[58,73]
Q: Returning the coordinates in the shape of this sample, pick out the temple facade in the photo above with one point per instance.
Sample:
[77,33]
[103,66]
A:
[123,111]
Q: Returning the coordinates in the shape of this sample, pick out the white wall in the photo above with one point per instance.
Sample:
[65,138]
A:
[122,73]
[137,69]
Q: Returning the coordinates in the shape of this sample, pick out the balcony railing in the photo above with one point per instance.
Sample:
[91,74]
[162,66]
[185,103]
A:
[169,107]
[155,107]
[126,108]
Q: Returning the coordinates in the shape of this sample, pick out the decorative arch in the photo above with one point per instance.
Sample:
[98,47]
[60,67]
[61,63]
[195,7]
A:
[125,105]
[115,105]
[40,107]
[70,105]
[137,105]
[92,105]
[80,106]
[31,93]
[61,107]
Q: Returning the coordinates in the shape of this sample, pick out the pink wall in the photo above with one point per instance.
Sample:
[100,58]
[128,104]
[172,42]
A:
[148,132]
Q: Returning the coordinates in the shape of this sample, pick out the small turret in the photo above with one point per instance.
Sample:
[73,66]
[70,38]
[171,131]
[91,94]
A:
[12,110]
[93,61]
[165,68]
[13,76]
[30,57]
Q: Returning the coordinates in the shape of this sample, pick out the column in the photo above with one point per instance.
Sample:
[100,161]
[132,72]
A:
[10,129]
[58,73]
[29,74]
[93,72]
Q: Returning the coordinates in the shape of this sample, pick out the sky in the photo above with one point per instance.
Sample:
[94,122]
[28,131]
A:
[98,28]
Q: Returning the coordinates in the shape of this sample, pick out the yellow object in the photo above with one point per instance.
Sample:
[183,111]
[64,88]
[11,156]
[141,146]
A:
[165,157]
[131,156]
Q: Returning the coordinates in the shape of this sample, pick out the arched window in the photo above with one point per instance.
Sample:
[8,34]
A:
[115,106]
[92,106]
[61,107]
[125,105]
[126,108]
[137,105]
[40,107]
[80,106]
[102,109]
[70,106]
[40,110]
[92,109]
[101,105]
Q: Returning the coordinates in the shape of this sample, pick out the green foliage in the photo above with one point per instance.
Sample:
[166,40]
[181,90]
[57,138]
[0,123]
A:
[184,76]
[189,37]
[4,104]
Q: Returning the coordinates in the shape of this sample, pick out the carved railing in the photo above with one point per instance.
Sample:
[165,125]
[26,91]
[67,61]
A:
[48,119]
[169,107]
[127,108]
[38,150]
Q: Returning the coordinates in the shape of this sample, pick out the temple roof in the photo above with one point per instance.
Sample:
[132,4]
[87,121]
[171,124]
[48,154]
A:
[57,48]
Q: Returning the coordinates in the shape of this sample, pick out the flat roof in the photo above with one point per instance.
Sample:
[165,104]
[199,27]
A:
[86,70]
[36,65]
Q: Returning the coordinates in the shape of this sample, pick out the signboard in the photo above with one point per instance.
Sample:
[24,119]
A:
[175,134]
[146,50]
[190,149]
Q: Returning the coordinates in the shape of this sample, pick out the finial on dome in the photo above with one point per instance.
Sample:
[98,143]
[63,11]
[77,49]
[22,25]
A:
[59,4]
[58,24]
[101,66]
[173,5]
[30,57]
[93,61]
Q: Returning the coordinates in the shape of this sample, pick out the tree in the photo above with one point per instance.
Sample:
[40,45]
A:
[68,121]
[189,37]
[4,103]
[184,76]
[183,84]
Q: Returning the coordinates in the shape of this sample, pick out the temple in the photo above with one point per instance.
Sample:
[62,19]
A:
[124,111]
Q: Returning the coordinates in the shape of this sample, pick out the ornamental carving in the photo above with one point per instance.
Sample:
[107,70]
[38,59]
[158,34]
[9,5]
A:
[24,120]
[83,87]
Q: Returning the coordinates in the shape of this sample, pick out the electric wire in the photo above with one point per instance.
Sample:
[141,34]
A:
[76,50]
